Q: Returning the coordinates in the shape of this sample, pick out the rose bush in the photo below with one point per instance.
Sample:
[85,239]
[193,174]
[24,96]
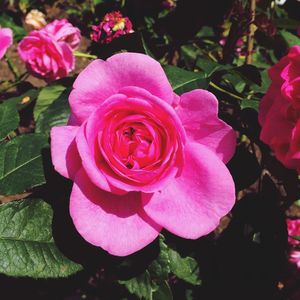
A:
[48,53]
[141,157]
[280,110]
[6,40]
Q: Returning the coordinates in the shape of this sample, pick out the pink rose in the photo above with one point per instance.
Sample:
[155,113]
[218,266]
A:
[45,57]
[280,110]
[293,227]
[63,31]
[6,40]
[142,158]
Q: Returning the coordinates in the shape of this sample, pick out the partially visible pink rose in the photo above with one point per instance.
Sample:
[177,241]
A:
[279,112]
[64,31]
[294,257]
[6,40]
[45,57]
[141,157]
[293,227]
[112,26]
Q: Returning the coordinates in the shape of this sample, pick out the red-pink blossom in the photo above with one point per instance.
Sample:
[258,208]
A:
[6,40]
[141,157]
[112,26]
[280,110]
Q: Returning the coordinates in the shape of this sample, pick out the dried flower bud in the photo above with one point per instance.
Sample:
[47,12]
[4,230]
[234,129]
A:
[35,19]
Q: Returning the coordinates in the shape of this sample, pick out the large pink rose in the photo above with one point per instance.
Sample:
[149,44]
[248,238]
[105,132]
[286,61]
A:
[6,40]
[280,110]
[63,31]
[142,158]
[45,57]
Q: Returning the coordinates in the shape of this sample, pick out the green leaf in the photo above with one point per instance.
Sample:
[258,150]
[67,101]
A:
[186,268]
[27,247]
[289,38]
[209,66]
[46,97]
[56,114]
[160,267]
[163,292]
[184,81]
[25,99]
[141,286]
[250,104]
[296,237]
[297,202]
[9,118]
[7,21]
[21,165]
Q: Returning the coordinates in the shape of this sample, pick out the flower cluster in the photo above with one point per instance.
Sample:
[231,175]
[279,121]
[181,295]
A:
[141,157]
[48,52]
[112,26]
[6,40]
[279,112]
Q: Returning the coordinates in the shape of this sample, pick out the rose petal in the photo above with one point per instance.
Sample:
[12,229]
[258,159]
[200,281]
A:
[115,223]
[65,157]
[6,40]
[198,111]
[101,79]
[192,205]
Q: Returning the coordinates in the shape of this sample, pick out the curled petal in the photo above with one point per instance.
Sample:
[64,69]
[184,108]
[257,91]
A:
[102,79]
[198,111]
[65,157]
[115,223]
[191,205]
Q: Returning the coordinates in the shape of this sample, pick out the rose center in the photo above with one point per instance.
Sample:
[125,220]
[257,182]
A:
[134,145]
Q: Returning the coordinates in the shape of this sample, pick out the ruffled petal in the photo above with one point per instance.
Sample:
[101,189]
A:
[192,205]
[198,111]
[65,157]
[115,223]
[101,79]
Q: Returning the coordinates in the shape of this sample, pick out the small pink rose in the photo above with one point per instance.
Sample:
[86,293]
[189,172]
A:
[141,157]
[6,40]
[64,31]
[45,57]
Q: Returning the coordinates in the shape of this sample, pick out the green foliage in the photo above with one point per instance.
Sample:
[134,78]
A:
[186,268]
[27,247]
[21,165]
[289,38]
[141,286]
[57,113]
[9,118]
[47,96]
[153,282]
[7,21]
[184,81]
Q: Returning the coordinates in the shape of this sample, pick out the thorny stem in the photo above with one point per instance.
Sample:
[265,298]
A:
[250,35]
